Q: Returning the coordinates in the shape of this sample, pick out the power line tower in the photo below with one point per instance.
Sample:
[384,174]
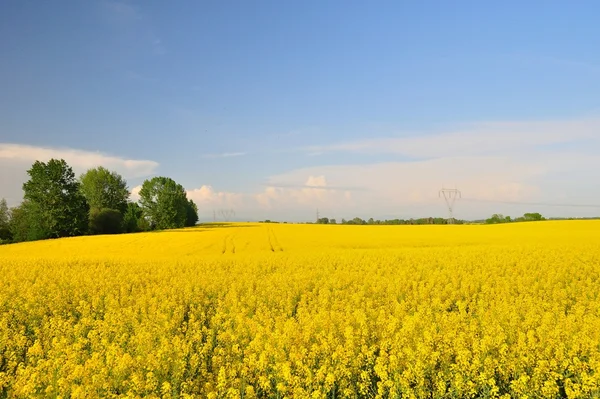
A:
[227,214]
[450,195]
[318,216]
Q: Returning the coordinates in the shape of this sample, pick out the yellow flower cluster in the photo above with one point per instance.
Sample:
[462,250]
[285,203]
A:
[305,311]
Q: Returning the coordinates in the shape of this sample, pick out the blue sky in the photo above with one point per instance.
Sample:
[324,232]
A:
[278,108]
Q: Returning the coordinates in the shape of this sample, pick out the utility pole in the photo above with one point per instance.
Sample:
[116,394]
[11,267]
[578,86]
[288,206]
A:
[450,195]
[318,217]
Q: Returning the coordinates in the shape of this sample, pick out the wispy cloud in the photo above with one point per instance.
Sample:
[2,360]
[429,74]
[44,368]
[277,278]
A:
[129,19]
[158,47]
[476,139]
[311,184]
[224,155]
[546,60]
[122,12]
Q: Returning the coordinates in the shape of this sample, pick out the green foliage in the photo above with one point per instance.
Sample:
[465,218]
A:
[26,222]
[371,221]
[53,194]
[533,217]
[164,203]
[5,234]
[104,189]
[133,219]
[528,217]
[56,205]
[498,218]
[191,210]
[106,221]
[322,221]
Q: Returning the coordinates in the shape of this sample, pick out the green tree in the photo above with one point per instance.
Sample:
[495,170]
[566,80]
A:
[498,218]
[133,218]
[164,203]
[5,234]
[26,223]
[191,210]
[53,192]
[104,189]
[105,221]
[533,216]
[107,194]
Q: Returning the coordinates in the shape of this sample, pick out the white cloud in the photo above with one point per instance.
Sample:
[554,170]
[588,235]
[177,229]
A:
[272,202]
[316,181]
[314,193]
[477,139]
[80,160]
[206,196]
[134,194]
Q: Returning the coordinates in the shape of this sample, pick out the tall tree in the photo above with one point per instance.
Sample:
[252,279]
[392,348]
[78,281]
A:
[5,234]
[104,189]
[106,193]
[53,192]
[164,203]
[191,213]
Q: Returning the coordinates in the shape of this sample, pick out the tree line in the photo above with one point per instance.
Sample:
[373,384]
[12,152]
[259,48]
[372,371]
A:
[494,219]
[498,218]
[58,204]
[359,221]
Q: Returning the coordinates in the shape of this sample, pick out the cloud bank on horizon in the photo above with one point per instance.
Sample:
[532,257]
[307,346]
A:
[496,163]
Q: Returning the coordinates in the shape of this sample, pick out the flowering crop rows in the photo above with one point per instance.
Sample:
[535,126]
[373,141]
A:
[313,311]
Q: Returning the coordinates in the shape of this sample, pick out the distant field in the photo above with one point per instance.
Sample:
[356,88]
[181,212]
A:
[320,311]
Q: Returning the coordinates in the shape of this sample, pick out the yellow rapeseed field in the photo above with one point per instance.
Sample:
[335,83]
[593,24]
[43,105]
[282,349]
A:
[305,311]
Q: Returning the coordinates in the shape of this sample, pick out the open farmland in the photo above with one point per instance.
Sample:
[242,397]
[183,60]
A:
[320,311]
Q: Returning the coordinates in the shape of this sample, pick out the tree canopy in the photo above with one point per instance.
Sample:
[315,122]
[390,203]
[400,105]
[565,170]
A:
[164,203]
[54,194]
[107,194]
[104,189]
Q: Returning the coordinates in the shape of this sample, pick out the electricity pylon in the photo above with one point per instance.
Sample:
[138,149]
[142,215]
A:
[450,195]
[227,214]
